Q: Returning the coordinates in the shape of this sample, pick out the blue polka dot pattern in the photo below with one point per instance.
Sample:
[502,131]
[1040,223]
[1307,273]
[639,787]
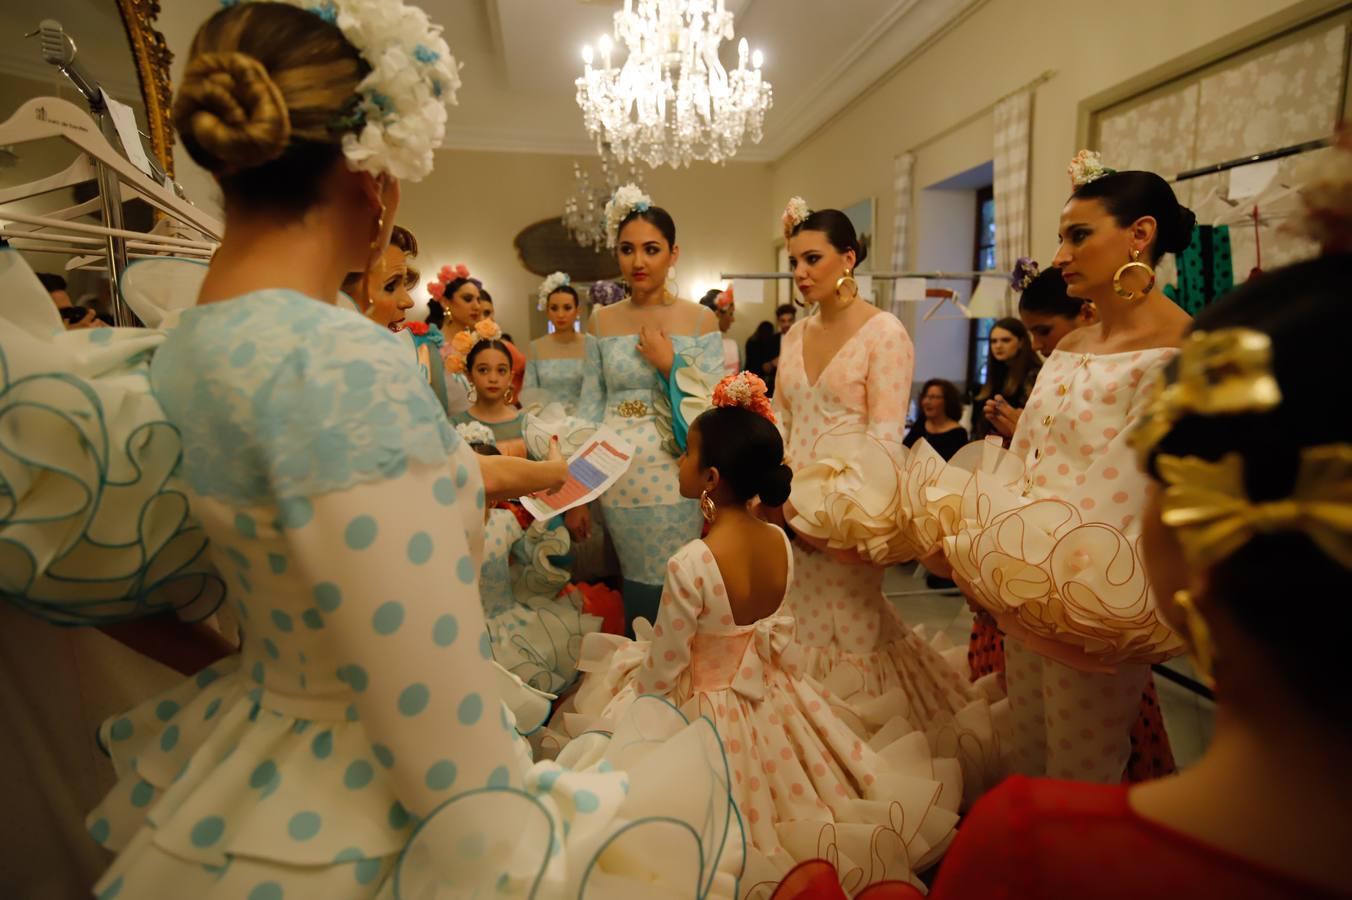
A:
[499,778]
[445,631]
[322,745]
[100,830]
[413,699]
[398,817]
[546,781]
[479,499]
[268,890]
[165,710]
[383,755]
[256,672]
[464,570]
[486,645]
[237,558]
[244,524]
[388,617]
[294,514]
[367,871]
[263,775]
[206,677]
[212,708]
[169,739]
[444,491]
[328,597]
[471,710]
[270,648]
[354,676]
[360,533]
[441,775]
[461,476]
[142,794]
[351,854]
[304,825]
[312,619]
[358,775]
[420,548]
[207,832]
[586,802]
[282,620]
[277,563]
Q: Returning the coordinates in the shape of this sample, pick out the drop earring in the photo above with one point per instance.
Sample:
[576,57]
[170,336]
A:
[1134,263]
[707,507]
[841,282]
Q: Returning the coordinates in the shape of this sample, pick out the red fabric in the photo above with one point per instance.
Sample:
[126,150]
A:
[1152,756]
[601,601]
[1039,838]
[816,879]
[523,518]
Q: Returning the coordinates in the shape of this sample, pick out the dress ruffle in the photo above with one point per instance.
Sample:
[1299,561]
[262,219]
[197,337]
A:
[94,527]
[1074,589]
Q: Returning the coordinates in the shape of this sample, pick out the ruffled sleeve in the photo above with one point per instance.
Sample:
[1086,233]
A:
[674,632]
[689,387]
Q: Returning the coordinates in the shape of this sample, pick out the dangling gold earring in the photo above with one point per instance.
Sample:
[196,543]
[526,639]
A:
[706,507]
[1200,649]
[508,395]
[847,278]
[1134,263]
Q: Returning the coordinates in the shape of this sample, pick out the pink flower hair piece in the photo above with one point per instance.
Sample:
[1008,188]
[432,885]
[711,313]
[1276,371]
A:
[746,391]
[725,299]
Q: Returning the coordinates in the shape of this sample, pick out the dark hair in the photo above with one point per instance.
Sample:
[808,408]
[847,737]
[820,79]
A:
[485,449]
[483,293]
[1046,296]
[436,313]
[480,347]
[1129,196]
[655,216]
[839,231]
[565,289]
[710,299]
[259,100]
[786,308]
[73,315]
[52,282]
[763,331]
[747,451]
[1303,311]
[1008,378]
[952,399]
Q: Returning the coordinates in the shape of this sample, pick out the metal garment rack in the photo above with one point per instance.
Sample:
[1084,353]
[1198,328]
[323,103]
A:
[876,276]
[1282,153]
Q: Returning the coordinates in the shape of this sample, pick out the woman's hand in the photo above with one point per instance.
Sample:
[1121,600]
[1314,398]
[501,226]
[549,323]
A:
[558,471]
[1002,416]
[578,522]
[656,348]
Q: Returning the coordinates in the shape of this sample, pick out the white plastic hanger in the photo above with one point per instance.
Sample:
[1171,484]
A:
[947,298]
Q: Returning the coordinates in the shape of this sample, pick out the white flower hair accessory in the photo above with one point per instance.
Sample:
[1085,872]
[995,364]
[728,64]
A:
[626,200]
[1087,166]
[795,214]
[549,286]
[476,433]
[398,115]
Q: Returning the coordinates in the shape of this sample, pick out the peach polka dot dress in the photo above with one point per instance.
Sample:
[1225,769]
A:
[1055,560]
[853,640]
[806,785]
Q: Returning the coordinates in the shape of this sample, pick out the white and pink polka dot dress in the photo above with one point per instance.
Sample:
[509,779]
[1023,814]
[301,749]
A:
[853,639]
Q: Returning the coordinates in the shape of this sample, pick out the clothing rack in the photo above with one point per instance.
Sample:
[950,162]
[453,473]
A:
[1281,153]
[876,276]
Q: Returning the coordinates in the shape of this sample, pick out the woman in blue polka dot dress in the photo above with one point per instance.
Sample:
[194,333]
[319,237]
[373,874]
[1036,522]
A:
[635,352]
[360,741]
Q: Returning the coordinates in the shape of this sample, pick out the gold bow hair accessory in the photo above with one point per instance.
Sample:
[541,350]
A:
[1207,505]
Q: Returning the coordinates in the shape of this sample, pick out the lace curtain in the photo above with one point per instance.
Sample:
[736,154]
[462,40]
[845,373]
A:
[901,218]
[1013,119]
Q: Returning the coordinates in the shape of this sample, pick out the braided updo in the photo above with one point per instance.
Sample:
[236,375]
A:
[263,102]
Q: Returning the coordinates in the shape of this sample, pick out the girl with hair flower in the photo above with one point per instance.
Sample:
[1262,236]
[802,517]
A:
[722,647]
[554,371]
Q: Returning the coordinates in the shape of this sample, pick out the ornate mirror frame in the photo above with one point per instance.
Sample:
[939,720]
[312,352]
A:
[152,56]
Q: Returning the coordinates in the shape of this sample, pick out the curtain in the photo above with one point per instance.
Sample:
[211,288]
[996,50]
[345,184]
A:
[1013,119]
[901,219]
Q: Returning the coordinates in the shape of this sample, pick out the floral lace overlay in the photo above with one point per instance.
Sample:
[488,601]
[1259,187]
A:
[268,417]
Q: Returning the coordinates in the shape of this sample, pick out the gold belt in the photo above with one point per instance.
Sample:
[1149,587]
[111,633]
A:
[632,409]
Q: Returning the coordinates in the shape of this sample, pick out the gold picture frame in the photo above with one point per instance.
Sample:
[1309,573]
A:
[153,57]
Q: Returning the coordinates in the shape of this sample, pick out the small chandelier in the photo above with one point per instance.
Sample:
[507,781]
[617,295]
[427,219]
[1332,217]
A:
[584,212]
[672,101]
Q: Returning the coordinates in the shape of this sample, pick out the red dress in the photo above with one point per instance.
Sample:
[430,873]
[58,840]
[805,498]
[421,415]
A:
[1038,838]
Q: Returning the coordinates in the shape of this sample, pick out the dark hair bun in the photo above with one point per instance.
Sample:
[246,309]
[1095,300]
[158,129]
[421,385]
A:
[774,490]
[1177,235]
[1132,195]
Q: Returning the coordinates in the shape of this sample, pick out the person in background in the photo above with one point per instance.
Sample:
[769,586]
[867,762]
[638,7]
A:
[939,425]
[721,302]
[1249,488]
[56,286]
[785,315]
[1011,372]
[76,318]
[757,346]
[518,358]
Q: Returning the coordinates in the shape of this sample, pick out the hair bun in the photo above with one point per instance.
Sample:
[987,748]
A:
[777,485]
[230,113]
[1177,238]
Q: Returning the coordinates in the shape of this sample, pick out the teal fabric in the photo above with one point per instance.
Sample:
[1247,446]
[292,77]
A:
[267,418]
[1206,269]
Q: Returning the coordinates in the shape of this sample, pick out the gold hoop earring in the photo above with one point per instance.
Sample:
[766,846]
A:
[847,278]
[508,396]
[706,507]
[1200,649]
[1134,263]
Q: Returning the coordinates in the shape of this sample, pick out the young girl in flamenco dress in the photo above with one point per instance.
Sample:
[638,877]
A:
[723,647]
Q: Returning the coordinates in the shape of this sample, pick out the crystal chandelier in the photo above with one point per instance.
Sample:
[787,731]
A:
[672,101]
[584,212]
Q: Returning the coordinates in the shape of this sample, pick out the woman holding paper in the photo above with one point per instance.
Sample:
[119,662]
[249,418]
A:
[640,344]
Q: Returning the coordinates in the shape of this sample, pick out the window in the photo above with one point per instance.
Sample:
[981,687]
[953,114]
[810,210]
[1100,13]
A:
[983,260]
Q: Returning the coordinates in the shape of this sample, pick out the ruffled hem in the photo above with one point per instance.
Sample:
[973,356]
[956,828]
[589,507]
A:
[933,488]
[1074,589]
[804,783]
[542,645]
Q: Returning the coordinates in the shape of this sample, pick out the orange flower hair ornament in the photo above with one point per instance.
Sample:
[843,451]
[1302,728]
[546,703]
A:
[464,341]
[744,390]
[445,276]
